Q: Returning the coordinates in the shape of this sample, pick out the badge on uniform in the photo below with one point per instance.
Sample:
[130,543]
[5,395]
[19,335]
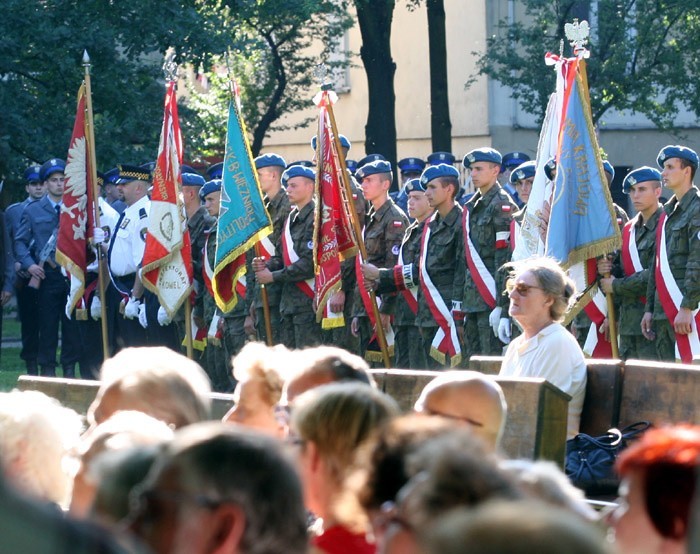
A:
[143,234]
[395,250]
[505,208]
[398,224]
[310,245]
[124,223]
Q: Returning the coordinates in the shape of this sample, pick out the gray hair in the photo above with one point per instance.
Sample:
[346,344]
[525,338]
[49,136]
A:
[551,277]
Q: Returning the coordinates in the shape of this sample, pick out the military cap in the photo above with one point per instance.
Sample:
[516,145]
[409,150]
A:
[411,165]
[210,186]
[351,165]
[192,180]
[609,169]
[48,168]
[111,177]
[413,185]
[434,171]
[184,168]
[370,158]
[640,175]
[513,159]
[303,163]
[296,170]
[149,166]
[523,171]
[128,173]
[372,168]
[344,142]
[677,151]
[485,154]
[441,158]
[32,173]
[270,160]
[215,171]
[549,168]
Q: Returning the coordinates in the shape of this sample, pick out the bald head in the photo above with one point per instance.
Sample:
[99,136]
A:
[468,397]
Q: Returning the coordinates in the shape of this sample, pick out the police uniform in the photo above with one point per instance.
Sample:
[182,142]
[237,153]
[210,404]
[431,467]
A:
[383,233]
[111,178]
[39,225]
[124,256]
[490,215]
[682,231]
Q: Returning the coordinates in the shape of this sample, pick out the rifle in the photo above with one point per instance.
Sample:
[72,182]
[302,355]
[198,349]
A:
[45,256]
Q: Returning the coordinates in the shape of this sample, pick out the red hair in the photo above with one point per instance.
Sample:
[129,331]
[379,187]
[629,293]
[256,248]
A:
[667,459]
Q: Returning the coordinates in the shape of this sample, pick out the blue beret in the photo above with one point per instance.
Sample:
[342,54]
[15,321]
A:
[270,160]
[549,168]
[48,168]
[514,159]
[370,158]
[111,177]
[192,180]
[441,170]
[413,185]
[640,175]
[677,151]
[296,170]
[215,171]
[303,163]
[372,168]
[441,158]
[411,165]
[523,171]
[344,142]
[482,155]
[128,173]
[609,169]
[32,173]
[351,165]
[210,186]
[184,168]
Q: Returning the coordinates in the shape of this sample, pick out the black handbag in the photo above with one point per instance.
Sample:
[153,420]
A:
[590,461]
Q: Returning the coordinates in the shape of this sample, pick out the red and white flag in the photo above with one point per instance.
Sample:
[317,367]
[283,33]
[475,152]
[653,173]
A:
[77,213]
[167,259]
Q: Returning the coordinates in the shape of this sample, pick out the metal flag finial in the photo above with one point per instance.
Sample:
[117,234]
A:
[86,58]
[578,34]
[169,66]
[321,75]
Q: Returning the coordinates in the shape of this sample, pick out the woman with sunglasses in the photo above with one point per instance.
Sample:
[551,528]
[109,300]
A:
[540,293]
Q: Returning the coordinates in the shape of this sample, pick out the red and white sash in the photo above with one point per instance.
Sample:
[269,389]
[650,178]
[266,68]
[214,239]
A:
[485,283]
[409,293]
[687,346]
[445,341]
[596,345]
[290,257]
[631,263]
[267,249]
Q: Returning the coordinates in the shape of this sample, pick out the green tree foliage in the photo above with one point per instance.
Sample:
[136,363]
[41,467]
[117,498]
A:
[643,55]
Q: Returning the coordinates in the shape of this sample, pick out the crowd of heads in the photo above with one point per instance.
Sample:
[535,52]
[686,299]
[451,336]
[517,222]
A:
[314,453]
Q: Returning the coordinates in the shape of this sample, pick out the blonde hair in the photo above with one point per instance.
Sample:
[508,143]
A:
[258,362]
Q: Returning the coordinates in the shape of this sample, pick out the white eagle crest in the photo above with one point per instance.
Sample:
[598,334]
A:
[577,33]
[76,186]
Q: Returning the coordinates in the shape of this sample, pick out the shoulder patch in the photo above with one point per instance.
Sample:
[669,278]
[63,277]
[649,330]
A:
[142,213]
[398,223]
[395,250]
[143,234]
[506,208]
[310,245]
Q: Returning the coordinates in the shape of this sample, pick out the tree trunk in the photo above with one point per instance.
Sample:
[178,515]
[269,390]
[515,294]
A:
[375,27]
[440,125]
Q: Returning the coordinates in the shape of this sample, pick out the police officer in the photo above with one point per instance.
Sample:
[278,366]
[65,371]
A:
[110,190]
[27,297]
[125,254]
[629,272]
[36,253]
[487,217]
[384,228]
[270,168]
[670,323]
[292,265]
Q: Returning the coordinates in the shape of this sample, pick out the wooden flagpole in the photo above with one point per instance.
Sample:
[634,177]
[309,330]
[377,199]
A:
[101,268]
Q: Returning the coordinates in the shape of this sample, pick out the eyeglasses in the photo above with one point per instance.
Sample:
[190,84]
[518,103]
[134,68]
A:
[523,289]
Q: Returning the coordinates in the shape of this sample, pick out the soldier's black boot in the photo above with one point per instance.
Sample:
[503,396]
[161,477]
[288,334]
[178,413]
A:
[32,368]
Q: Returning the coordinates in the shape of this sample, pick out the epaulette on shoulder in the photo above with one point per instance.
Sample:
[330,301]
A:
[142,213]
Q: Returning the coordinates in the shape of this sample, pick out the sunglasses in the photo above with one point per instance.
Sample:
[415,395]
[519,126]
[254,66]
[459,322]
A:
[522,289]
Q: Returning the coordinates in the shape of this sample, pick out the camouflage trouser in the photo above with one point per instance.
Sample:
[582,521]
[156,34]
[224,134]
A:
[665,340]
[428,334]
[366,331]
[581,334]
[274,324]
[300,330]
[234,339]
[217,367]
[409,352]
[479,339]
[637,347]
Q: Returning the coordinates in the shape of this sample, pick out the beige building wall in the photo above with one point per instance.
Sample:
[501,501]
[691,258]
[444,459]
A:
[469,109]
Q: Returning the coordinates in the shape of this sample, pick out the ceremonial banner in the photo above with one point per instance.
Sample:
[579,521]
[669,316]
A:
[77,212]
[243,219]
[167,258]
[333,238]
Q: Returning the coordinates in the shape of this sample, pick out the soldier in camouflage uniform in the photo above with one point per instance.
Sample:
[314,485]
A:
[383,232]
[627,283]
[682,229]
[490,211]
[293,266]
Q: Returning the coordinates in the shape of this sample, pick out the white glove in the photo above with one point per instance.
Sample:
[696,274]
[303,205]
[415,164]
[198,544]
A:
[132,308]
[67,309]
[96,308]
[142,315]
[163,318]
[504,330]
[98,235]
[494,317]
